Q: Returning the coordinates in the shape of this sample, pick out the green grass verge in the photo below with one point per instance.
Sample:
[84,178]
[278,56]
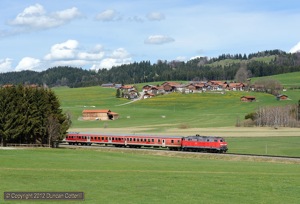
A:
[283,146]
[128,177]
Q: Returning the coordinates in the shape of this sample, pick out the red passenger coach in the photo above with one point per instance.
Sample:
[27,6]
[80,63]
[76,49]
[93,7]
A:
[191,143]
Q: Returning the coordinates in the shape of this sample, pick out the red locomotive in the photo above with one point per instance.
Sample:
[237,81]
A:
[190,143]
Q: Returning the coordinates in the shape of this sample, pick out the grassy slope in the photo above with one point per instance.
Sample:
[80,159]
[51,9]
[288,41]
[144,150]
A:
[172,110]
[128,177]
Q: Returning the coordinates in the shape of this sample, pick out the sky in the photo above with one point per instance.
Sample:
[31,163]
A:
[94,34]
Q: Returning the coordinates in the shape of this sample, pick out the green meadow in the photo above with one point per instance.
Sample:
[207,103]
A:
[174,110]
[118,176]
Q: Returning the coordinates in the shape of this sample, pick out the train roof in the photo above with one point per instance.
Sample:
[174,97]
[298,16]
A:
[204,137]
[124,135]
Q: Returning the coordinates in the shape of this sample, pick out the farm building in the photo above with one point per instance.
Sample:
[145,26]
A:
[282,97]
[99,115]
[248,98]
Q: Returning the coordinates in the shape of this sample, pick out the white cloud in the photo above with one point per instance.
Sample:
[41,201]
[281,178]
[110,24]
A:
[6,65]
[118,57]
[155,16]
[35,17]
[120,53]
[68,54]
[65,50]
[108,15]
[158,39]
[28,63]
[296,48]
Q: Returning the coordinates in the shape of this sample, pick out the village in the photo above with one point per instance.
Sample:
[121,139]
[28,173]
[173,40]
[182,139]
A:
[149,91]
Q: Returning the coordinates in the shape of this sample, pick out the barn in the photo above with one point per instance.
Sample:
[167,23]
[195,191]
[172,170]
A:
[99,115]
[248,98]
[281,97]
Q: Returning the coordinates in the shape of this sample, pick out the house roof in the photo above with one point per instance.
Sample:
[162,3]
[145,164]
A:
[97,111]
[236,85]
[127,87]
[248,97]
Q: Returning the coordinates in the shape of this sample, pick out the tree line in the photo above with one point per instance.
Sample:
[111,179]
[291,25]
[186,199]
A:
[201,68]
[31,115]
[274,116]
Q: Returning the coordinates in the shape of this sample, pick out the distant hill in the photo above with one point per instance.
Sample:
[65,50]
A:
[224,67]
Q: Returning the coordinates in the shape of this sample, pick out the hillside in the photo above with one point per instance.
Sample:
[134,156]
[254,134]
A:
[224,67]
[176,110]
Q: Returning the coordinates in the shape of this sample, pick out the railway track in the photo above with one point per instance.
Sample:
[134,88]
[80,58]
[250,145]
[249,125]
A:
[168,152]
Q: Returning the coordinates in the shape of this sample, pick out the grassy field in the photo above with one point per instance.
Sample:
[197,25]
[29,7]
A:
[174,110]
[109,176]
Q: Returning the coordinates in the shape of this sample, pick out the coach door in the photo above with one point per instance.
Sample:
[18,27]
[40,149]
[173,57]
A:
[163,142]
[88,139]
[109,139]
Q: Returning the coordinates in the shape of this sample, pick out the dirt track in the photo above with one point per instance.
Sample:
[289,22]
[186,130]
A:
[224,132]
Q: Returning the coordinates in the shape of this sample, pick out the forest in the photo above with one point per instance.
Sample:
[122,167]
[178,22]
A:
[31,115]
[223,67]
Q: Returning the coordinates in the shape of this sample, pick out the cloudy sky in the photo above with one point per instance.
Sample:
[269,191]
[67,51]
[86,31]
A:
[94,34]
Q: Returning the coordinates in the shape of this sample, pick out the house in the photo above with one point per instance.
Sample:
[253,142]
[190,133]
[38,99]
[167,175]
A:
[170,86]
[281,97]
[248,98]
[148,95]
[99,115]
[133,94]
[127,88]
[146,88]
[236,86]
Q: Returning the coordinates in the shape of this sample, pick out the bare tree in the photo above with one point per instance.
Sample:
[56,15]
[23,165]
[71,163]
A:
[53,127]
[281,116]
[271,86]
[242,74]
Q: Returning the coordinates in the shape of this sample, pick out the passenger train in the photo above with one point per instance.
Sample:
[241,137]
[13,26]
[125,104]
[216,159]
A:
[194,143]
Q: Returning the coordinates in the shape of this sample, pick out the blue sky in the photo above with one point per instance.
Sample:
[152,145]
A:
[94,34]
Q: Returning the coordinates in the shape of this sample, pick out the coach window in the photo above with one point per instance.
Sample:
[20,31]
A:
[130,139]
[152,140]
[172,141]
[134,139]
[148,140]
[158,140]
[215,140]
[178,141]
[137,139]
